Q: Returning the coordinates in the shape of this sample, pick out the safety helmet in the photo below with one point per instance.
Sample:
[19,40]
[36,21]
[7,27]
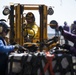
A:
[4,27]
[30,16]
[75,22]
[65,23]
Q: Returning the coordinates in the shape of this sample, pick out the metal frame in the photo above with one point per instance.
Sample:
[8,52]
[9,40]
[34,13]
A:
[16,21]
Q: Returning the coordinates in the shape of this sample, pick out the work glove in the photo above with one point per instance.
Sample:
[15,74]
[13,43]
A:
[32,48]
[61,30]
[55,39]
[66,46]
[20,49]
[17,46]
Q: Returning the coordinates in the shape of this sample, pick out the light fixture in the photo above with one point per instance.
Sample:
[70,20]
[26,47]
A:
[6,10]
[50,11]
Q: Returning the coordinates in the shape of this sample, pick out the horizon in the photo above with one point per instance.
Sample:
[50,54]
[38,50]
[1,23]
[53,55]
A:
[64,10]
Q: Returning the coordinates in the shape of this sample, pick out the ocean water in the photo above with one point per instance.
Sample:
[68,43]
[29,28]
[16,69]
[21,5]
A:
[50,35]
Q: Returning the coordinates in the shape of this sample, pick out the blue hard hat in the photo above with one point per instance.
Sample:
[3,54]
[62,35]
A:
[5,27]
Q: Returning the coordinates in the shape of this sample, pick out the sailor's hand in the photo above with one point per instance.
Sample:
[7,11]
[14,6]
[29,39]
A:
[66,46]
[17,46]
[55,39]
[61,29]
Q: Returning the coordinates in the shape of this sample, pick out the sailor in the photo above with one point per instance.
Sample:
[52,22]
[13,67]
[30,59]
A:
[71,37]
[73,28]
[32,27]
[66,27]
[4,48]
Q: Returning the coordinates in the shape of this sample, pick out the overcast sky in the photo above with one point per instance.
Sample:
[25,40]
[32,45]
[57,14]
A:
[64,10]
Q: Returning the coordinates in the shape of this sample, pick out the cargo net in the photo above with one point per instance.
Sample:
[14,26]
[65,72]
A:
[42,64]
[64,64]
